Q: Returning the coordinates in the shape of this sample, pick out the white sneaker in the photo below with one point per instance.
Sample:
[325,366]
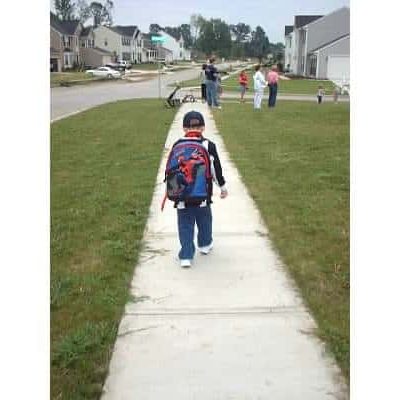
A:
[186,263]
[206,249]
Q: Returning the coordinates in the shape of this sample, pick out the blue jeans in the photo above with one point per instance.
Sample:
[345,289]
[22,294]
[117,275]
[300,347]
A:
[273,91]
[187,217]
[211,89]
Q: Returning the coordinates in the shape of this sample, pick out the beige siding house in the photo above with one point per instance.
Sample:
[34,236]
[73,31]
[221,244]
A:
[92,55]
[125,42]
[64,43]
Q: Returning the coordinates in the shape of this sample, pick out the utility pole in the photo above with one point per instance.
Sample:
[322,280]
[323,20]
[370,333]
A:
[159,40]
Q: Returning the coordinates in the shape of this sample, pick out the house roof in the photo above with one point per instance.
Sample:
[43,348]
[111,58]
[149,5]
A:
[64,27]
[128,30]
[86,31]
[288,29]
[331,13]
[301,20]
[331,42]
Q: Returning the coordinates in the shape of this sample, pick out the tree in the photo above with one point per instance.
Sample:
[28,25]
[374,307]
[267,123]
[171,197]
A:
[242,35]
[154,28]
[101,13]
[214,36]
[174,31]
[259,43]
[241,32]
[222,37]
[186,35]
[64,9]
[196,24]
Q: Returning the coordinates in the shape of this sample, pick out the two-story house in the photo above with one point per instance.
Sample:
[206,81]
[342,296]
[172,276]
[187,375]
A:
[177,47]
[149,49]
[125,42]
[64,43]
[92,55]
[294,40]
[319,46]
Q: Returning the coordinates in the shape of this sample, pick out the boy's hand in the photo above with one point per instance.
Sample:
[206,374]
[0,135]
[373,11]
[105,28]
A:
[224,193]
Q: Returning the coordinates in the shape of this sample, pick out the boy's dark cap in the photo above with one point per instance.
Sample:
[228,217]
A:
[193,119]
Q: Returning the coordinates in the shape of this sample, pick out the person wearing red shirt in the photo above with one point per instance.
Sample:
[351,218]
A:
[243,82]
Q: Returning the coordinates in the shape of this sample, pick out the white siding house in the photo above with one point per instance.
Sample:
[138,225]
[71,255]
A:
[314,40]
[177,47]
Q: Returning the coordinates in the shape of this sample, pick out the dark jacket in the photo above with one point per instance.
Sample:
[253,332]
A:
[211,72]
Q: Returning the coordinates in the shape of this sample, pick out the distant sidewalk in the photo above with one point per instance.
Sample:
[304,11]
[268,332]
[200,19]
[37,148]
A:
[231,327]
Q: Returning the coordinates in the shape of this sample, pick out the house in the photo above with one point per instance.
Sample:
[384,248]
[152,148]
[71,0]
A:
[91,55]
[64,43]
[124,42]
[176,46]
[149,49]
[292,40]
[319,46]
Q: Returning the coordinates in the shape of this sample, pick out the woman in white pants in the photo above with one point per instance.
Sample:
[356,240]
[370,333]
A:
[259,86]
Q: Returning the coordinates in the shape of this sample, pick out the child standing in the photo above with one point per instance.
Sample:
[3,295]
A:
[243,83]
[335,94]
[320,94]
[259,86]
[197,212]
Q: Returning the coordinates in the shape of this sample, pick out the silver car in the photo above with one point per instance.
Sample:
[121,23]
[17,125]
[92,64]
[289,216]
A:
[104,72]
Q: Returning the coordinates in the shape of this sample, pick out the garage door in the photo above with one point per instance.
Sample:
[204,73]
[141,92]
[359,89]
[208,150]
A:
[339,69]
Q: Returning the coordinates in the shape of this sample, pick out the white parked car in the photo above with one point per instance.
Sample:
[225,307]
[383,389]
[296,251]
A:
[104,72]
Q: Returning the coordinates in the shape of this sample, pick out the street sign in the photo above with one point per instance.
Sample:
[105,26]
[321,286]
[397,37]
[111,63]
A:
[158,39]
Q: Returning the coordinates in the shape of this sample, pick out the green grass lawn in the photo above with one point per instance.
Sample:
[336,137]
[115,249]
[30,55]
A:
[103,168]
[56,78]
[295,162]
[292,86]
[145,67]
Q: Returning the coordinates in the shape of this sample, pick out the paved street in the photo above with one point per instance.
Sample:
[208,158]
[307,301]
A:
[67,100]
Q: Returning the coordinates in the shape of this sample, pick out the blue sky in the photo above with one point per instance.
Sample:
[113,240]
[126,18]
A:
[271,15]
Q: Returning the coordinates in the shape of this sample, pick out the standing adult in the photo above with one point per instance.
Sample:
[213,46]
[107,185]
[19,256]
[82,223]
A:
[211,84]
[243,83]
[259,86]
[272,78]
[203,83]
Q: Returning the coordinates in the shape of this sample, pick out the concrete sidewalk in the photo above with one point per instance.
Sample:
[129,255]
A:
[230,327]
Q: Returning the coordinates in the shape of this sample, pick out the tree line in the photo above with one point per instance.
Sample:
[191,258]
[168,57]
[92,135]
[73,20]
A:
[100,13]
[215,36]
[207,36]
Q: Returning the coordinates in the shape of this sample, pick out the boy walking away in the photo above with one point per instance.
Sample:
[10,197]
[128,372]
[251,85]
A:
[259,86]
[192,165]
[272,78]
[243,83]
[320,94]
[203,83]
[211,84]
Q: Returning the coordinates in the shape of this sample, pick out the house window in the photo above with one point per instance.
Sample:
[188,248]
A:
[83,43]
[66,60]
[126,41]
[105,42]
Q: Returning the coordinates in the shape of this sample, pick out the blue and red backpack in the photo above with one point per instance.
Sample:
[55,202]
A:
[188,173]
